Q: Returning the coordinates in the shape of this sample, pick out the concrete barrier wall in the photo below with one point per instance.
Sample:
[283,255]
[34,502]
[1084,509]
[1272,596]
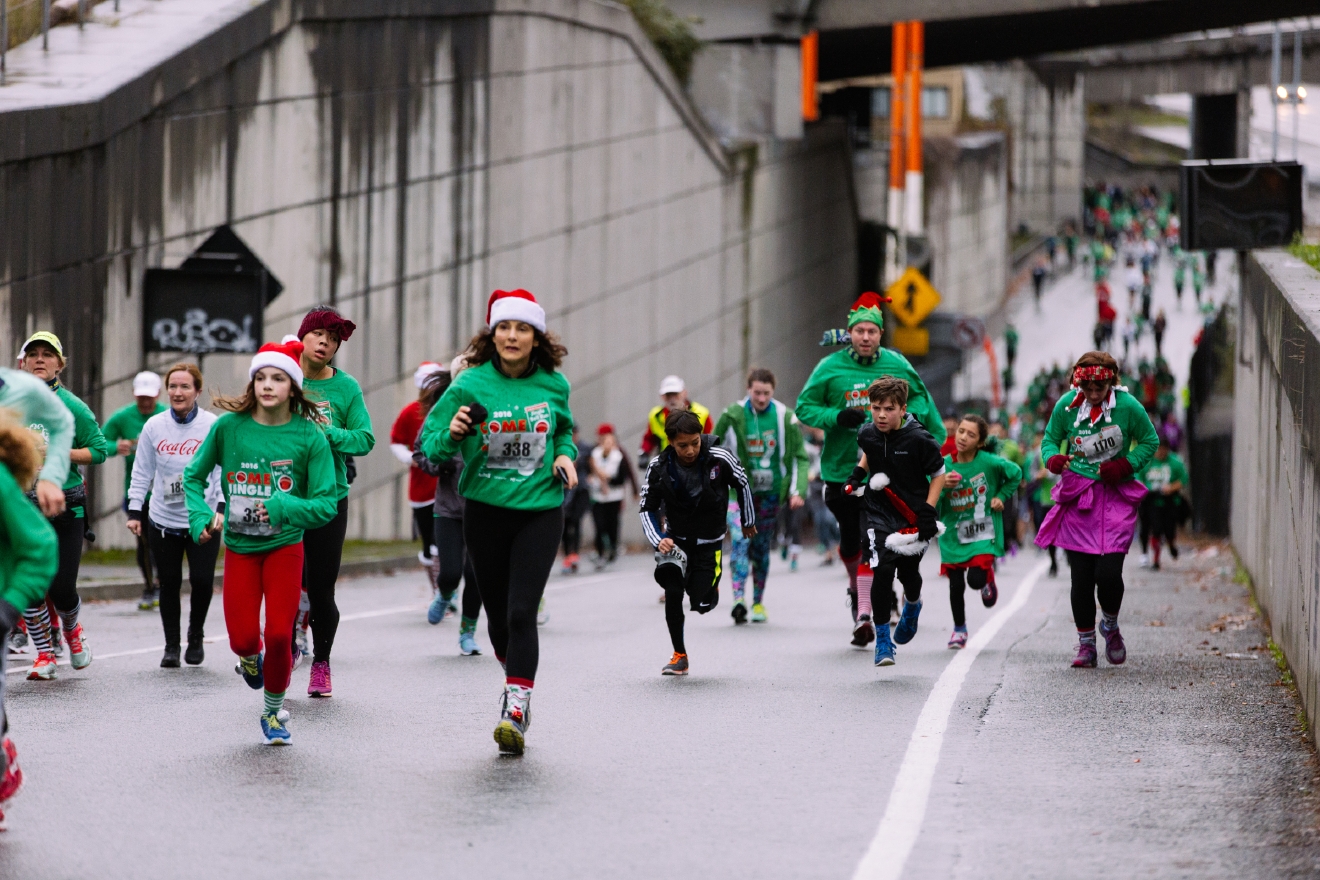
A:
[1276,456]
[401,160]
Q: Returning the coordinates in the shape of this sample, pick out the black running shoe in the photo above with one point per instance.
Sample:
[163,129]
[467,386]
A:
[739,613]
[195,653]
[170,660]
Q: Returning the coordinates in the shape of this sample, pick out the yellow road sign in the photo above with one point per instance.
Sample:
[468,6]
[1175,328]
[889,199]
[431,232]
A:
[913,298]
[912,340]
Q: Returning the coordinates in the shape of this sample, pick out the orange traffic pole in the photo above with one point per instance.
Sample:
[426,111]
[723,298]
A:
[810,68]
[896,120]
[916,38]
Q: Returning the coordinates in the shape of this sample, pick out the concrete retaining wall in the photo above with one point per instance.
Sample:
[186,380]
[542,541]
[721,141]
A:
[1276,456]
[401,160]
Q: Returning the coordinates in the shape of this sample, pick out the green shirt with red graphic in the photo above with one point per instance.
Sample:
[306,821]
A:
[339,399]
[971,526]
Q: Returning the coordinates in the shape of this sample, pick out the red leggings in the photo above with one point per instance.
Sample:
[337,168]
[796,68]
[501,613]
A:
[276,576]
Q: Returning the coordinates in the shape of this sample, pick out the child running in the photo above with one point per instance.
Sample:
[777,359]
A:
[907,476]
[278,480]
[977,486]
[1165,478]
[421,482]
[684,504]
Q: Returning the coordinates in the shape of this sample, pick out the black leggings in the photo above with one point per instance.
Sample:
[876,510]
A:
[424,525]
[959,580]
[1095,574]
[455,563]
[1157,521]
[512,553]
[144,554]
[847,509]
[169,550]
[322,550]
[701,586]
[605,516]
[572,532]
[63,592]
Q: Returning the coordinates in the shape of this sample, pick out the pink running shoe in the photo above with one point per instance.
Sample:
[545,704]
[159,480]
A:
[1086,656]
[12,780]
[1115,650]
[958,640]
[319,686]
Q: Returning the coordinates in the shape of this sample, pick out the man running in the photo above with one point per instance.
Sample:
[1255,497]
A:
[835,400]
[121,431]
[673,397]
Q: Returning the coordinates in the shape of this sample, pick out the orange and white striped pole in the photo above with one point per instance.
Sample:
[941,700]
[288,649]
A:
[897,167]
[914,178]
[810,51]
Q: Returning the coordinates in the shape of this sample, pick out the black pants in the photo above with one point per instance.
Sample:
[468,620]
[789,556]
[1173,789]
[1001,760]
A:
[885,563]
[424,525]
[847,509]
[512,554]
[605,516]
[1095,574]
[701,585]
[144,554]
[322,550]
[1157,521]
[456,563]
[572,533]
[959,580]
[169,548]
[63,592]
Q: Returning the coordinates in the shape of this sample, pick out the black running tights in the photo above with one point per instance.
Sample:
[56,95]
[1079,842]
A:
[605,516]
[958,584]
[63,592]
[456,563]
[1094,575]
[322,549]
[169,551]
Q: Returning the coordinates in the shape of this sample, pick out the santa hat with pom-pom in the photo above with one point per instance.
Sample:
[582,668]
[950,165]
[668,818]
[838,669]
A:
[282,356]
[514,305]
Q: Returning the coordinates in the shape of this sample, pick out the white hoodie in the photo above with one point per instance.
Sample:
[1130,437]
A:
[165,447]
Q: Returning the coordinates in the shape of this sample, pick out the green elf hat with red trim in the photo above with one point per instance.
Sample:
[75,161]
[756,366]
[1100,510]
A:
[869,307]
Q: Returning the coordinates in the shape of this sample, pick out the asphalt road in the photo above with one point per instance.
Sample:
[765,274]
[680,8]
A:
[776,757]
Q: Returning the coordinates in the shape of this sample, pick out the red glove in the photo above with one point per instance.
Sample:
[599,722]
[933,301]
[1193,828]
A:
[1056,464]
[1116,470]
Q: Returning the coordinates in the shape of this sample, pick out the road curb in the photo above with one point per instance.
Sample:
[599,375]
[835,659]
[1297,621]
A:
[106,589]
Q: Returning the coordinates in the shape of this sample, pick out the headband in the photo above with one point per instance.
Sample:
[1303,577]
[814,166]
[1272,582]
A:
[1092,374]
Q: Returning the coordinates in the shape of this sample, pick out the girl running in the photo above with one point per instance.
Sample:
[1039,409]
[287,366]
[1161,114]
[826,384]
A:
[421,483]
[977,487]
[43,357]
[165,448]
[1097,438]
[611,474]
[508,414]
[279,479]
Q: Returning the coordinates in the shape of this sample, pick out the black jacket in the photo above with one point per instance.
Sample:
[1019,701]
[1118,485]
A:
[909,457]
[701,518]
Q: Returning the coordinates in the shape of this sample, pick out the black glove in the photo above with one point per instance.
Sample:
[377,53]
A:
[856,480]
[9,616]
[849,418]
[135,516]
[926,528]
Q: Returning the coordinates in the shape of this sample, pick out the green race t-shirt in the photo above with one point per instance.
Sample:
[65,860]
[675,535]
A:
[1124,431]
[1164,473]
[972,527]
[349,430]
[126,424]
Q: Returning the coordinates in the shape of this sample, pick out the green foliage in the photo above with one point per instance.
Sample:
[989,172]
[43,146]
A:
[672,35]
[1307,253]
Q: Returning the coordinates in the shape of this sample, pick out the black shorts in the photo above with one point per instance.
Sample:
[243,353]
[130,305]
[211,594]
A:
[704,568]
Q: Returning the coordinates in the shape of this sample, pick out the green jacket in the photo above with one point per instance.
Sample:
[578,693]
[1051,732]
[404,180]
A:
[349,428]
[28,548]
[42,411]
[779,451]
[965,509]
[1124,429]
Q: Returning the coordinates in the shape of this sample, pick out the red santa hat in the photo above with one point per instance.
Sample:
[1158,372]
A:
[426,371]
[514,305]
[282,356]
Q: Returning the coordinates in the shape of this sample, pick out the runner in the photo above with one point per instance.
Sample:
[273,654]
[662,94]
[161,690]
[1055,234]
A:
[765,434]
[421,483]
[1095,509]
[673,397]
[43,357]
[508,414]
[121,431]
[611,474]
[835,400]
[683,509]
[906,477]
[348,428]
[977,487]
[29,548]
[1165,477]
[279,480]
[166,446]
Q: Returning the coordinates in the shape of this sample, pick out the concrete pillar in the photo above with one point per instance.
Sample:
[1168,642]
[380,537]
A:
[1214,126]
[1244,121]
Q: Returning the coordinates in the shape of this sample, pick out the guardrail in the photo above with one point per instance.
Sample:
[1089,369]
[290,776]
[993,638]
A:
[6,14]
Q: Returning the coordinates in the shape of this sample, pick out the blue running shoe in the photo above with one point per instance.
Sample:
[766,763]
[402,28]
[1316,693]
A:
[274,731]
[467,644]
[436,611]
[907,623]
[884,646]
[250,669]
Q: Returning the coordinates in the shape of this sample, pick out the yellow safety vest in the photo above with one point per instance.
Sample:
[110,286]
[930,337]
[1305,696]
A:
[656,421]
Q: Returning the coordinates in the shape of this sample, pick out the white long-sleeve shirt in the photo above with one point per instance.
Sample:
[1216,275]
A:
[165,448]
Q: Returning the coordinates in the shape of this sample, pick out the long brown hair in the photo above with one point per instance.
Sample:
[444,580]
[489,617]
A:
[548,353]
[299,405]
[434,386]
[18,449]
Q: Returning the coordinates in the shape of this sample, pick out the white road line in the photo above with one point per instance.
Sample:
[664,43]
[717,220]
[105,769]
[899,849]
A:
[888,853]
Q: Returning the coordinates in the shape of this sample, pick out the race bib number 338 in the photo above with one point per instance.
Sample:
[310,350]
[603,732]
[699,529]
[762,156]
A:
[521,451]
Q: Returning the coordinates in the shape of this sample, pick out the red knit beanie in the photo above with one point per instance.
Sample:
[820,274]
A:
[326,318]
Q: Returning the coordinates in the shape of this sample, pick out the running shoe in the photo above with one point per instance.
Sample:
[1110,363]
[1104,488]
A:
[677,665]
[542,616]
[1173,551]
[863,631]
[56,639]
[739,613]
[170,659]
[514,721]
[451,610]
[196,653]
[300,639]
[1054,568]
[1145,560]
[319,686]
[793,563]
[989,594]
[43,668]
[80,652]
[251,670]
[884,647]
[435,612]
[1115,649]
[18,641]
[1086,656]
[959,638]
[570,567]
[467,644]
[758,613]
[150,599]
[907,623]
[296,655]
[274,731]
[12,780]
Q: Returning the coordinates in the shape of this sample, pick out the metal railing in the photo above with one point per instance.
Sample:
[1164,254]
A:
[21,21]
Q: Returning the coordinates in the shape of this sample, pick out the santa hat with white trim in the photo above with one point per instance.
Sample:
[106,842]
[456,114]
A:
[514,305]
[282,356]
[426,371]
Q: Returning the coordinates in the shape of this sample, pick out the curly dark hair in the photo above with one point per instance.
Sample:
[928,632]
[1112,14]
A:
[548,353]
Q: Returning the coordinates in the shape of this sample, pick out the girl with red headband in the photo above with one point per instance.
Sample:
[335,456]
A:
[1098,437]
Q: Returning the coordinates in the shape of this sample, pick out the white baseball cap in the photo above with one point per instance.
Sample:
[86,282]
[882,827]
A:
[672,385]
[146,384]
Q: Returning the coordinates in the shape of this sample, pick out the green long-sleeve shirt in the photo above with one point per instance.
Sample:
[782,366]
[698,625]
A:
[28,548]
[126,424]
[43,412]
[769,445]
[288,467]
[86,433]
[1159,474]
[840,382]
[1124,430]
[349,428]
[971,526]
[509,462]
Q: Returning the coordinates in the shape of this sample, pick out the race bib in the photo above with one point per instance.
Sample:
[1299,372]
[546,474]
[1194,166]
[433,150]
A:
[173,490]
[243,518]
[675,556]
[521,451]
[1102,446]
[762,481]
[972,530]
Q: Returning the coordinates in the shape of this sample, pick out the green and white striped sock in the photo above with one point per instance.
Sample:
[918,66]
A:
[274,702]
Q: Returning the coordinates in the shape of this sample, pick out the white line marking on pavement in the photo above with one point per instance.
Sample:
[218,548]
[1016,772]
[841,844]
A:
[906,812]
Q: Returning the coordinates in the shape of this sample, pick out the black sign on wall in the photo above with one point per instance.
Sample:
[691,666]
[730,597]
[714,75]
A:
[1239,204]
[212,303]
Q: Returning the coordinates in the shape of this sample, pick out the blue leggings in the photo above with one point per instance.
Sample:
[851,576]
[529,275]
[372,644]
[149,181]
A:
[753,553]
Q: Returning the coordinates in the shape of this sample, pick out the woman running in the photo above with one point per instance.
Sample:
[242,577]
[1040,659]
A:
[165,448]
[977,487]
[421,484]
[347,426]
[508,415]
[43,357]
[279,479]
[1097,439]
[611,475]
